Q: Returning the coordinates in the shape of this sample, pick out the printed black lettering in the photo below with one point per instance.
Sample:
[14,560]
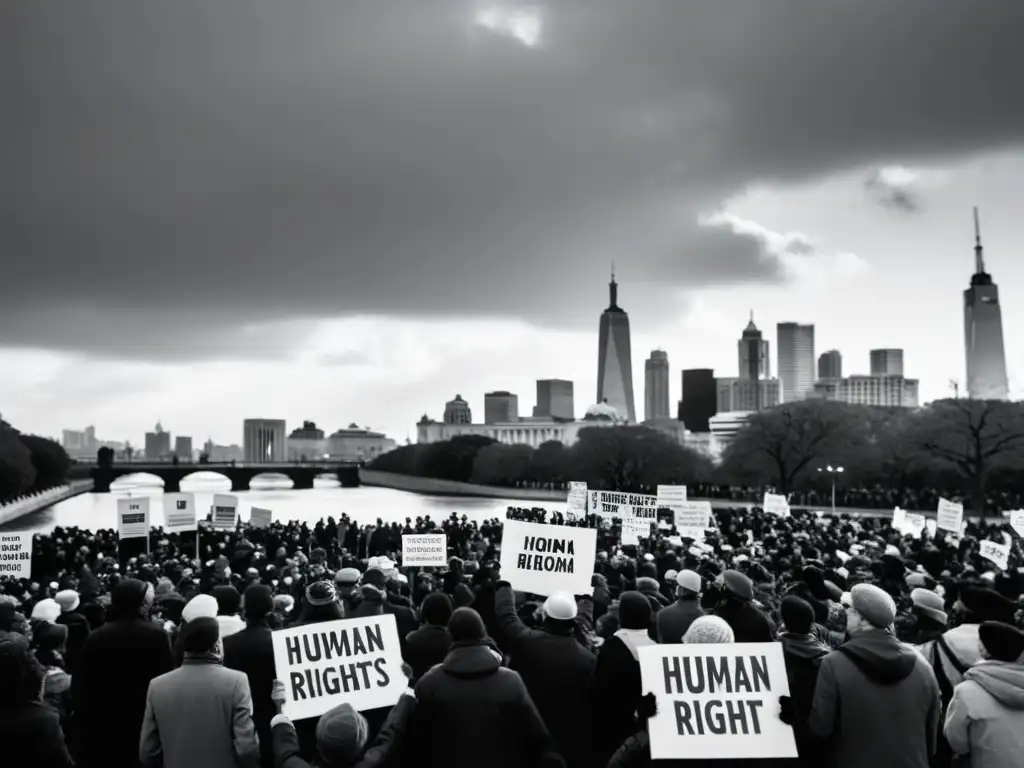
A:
[672,673]
[695,681]
[309,682]
[683,725]
[358,646]
[759,666]
[349,678]
[714,718]
[718,675]
[319,683]
[364,667]
[754,704]
[312,654]
[742,678]
[523,563]
[291,646]
[383,679]
[558,546]
[298,688]
[572,549]
[737,717]
[331,682]
[374,638]
[336,645]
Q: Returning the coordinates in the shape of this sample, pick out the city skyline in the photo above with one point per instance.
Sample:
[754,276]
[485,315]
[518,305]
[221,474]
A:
[405,217]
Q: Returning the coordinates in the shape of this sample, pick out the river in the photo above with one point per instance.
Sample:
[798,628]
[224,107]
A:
[327,498]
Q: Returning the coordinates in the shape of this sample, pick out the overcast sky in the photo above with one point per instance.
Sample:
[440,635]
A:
[351,210]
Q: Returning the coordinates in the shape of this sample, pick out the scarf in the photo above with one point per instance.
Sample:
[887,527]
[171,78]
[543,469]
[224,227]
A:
[634,639]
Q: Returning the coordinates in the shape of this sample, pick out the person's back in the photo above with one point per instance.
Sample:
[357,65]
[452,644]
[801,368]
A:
[201,713]
[429,644]
[674,620]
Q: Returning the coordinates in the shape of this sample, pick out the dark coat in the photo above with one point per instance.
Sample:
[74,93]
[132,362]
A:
[252,651]
[471,711]
[405,620]
[78,633]
[31,736]
[118,661]
[557,671]
[676,619]
[616,694]
[748,624]
[635,752]
[425,648]
[803,655]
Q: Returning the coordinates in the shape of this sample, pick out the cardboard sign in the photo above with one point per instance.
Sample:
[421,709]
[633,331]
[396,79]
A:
[996,553]
[671,496]
[16,555]
[717,701]
[949,516]
[225,512]
[543,559]
[615,504]
[692,519]
[179,512]
[634,529]
[353,660]
[576,501]
[1017,521]
[133,518]
[775,504]
[914,524]
[260,518]
[425,549]
[899,517]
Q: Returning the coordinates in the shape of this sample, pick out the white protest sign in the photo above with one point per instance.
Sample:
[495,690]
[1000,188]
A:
[899,517]
[424,549]
[1017,521]
[179,512]
[717,701]
[225,511]
[913,524]
[615,504]
[260,518]
[634,529]
[671,496]
[776,504]
[692,518]
[996,552]
[542,559]
[16,555]
[576,501]
[353,660]
[133,518]
[949,515]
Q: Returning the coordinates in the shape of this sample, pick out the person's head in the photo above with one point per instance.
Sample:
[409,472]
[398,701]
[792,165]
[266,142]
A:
[560,610]
[49,638]
[709,629]
[870,607]
[737,586]
[634,611]
[929,608]
[320,604]
[21,677]
[688,585]
[346,580]
[68,600]
[258,602]
[981,604]
[228,600]
[341,735]
[436,609]
[198,607]
[1001,642]
[466,626]
[797,615]
[201,637]
[131,598]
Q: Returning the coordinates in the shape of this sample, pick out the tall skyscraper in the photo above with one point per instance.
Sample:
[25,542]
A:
[656,386]
[614,358]
[886,362]
[264,440]
[796,360]
[158,443]
[983,331]
[830,364]
[754,357]
[501,407]
[555,399]
[183,448]
[700,399]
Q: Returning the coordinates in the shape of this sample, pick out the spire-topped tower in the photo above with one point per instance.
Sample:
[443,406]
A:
[613,291]
[983,331]
[979,254]
[614,356]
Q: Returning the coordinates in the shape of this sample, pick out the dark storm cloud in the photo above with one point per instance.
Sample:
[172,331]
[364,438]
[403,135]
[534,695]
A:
[182,169]
[889,194]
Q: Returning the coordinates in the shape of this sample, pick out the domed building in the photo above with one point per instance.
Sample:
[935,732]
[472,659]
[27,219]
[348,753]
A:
[603,412]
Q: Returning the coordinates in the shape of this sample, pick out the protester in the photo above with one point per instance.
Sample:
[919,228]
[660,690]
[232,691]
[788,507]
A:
[78,627]
[48,641]
[216,729]
[735,606]
[985,719]
[428,645]
[228,604]
[803,653]
[674,620]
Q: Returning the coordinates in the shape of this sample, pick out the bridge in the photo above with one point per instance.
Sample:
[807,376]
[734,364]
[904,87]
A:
[240,475]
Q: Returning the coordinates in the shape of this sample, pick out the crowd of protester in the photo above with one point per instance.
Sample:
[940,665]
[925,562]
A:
[899,651]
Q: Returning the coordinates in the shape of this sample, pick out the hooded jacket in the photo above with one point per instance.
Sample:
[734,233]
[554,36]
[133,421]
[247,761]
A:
[985,720]
[876,703]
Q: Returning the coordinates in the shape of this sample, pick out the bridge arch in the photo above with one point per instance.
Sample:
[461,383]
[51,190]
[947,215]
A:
[272,479]
[205,476]
[137,480]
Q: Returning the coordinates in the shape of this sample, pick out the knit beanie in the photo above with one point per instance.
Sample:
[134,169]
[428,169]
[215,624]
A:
[228,599]
[1002,641]
[258,601]
[341,735]
[874,604]
[376,577]
[634,611]
[465,625]
[321,593]
[437,609]
[738,584]
[928,604]
[46,610]
[199,607]
[709,629]
[797,615]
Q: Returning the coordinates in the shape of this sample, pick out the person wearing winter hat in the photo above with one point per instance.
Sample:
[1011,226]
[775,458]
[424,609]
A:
[216,726]
[749,625]
[200,606]
[930,619]
[616,687]
[890,700]
[45,610]
[554,666]
[480,707]
[229,602]
[49,641]
[709,629]
[320,604]
[77,624]
[674,620]
[802,651]
[405,619]
[429,644]
[985,719]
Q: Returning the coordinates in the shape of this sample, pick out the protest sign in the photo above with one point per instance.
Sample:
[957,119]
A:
[225,511]
[576,501]
[425,549]
[260,518]
[133,518]
[692,518]
[16,555]
[671,496]
[634,529]
[996,553]
[899,517]
[775,504]
[717,701]
[913,524]
[949,515]
[179,512]
[541,558]
[353,660]
[1017,521]
[615,504]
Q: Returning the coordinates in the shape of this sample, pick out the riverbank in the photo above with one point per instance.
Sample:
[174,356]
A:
[22,507]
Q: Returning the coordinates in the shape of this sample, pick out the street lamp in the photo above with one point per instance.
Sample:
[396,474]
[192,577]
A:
[833,471]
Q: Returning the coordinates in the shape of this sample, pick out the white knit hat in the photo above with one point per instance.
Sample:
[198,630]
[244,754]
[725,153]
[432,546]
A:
[709,629]
[200,606]
[46,610]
